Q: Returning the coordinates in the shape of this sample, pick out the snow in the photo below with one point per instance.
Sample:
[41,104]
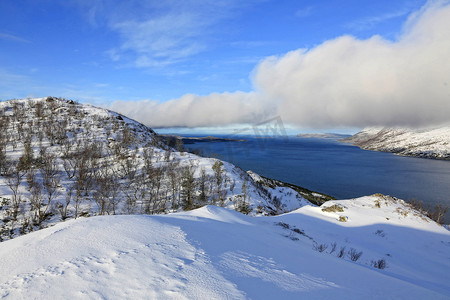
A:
[423,142]
[216,253]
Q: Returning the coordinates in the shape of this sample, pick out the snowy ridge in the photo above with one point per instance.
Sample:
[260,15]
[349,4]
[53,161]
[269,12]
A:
[427,143]
[216,253]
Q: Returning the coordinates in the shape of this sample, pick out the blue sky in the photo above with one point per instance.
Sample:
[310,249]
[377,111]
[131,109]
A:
[117,52]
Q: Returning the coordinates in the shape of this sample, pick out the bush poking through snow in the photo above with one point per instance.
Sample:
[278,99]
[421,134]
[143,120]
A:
[333,247]
[333,208]
[354,255]
[299,231]
[341,252]
[380,233]
[379,264]
[282,224]
[320,247]
[343,219]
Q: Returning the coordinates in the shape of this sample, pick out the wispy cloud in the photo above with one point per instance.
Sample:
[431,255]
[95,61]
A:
[13,38]
[161,40]
[251,44]
[160,33]
[372,21]
[304,12]
[11,84]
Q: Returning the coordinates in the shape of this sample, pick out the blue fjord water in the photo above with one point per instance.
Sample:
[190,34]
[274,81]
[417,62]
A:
[338,169]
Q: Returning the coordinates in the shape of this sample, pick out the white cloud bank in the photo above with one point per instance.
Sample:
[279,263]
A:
[199,111]
[342,82]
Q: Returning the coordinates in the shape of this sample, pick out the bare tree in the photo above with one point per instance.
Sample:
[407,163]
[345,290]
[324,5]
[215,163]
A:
[26,160]
[50,183]
[174,182]
[35,190]
[115,191]
[188,187]
[78,187]
[202,184]
[64,206]
[158,175]
[4,164]
[14,178]
[218,175]
[133,193]
[438,212]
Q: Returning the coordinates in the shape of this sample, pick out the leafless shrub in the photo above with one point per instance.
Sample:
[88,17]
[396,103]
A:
[320,247]
[282,224]
[353,254]
[379,264]
[380,233]
[333,247]
[299,231]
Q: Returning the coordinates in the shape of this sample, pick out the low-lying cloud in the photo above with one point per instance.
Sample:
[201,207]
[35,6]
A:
[344,82]
[199,111]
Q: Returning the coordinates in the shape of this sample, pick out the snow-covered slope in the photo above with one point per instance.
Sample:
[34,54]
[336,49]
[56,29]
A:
[428,143]
[216,253]
[60,159]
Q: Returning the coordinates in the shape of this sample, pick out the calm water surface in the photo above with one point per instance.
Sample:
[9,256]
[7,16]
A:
[337,169]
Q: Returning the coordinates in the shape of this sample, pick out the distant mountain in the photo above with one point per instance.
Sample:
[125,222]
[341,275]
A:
[172,140]
[427,143]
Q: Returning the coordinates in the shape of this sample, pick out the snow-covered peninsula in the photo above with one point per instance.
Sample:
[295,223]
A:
[427,143]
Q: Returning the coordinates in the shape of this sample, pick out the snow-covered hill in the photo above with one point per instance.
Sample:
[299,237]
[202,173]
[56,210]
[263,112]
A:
[60,160]
[428,143]
[388,252]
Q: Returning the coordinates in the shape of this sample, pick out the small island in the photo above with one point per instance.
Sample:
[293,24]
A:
[191,140]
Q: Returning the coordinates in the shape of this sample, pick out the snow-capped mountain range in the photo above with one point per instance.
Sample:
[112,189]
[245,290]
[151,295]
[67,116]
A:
[427,143]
